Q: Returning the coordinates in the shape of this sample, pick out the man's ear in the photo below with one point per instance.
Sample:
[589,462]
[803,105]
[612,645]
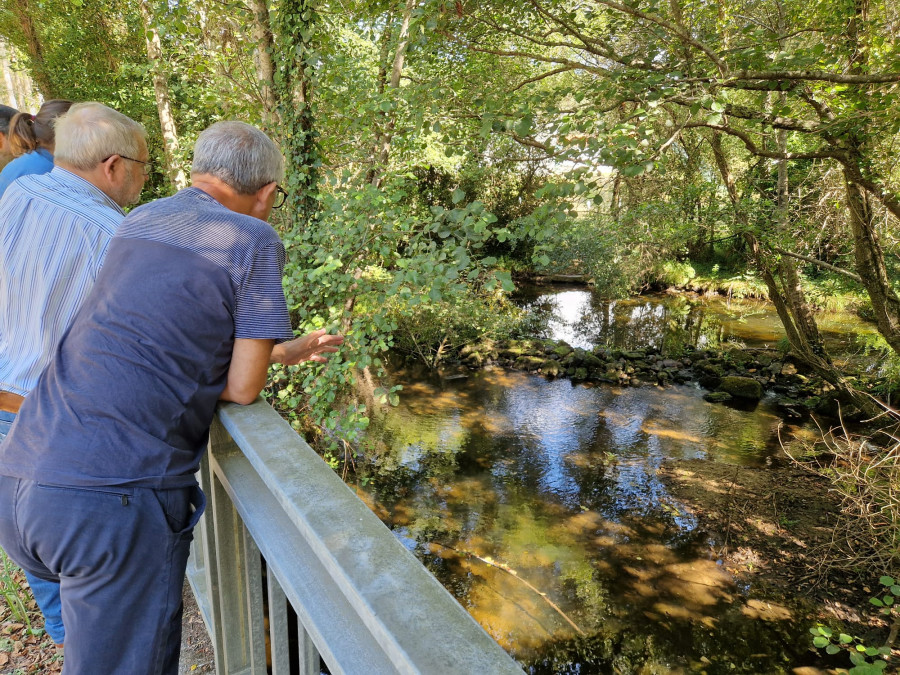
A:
[262,203]
[265,192]
[110,166]
[4,142]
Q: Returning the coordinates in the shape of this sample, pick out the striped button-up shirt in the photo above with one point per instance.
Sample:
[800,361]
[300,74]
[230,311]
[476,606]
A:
[54,231]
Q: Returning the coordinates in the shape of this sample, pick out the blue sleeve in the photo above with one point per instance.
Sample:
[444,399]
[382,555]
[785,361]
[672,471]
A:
[24,165]
[260,310]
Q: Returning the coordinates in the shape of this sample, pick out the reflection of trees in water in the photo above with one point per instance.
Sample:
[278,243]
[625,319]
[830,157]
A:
[668,323]
[509,478]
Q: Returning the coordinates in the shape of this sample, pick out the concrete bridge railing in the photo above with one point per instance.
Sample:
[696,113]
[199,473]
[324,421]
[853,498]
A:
[289,566]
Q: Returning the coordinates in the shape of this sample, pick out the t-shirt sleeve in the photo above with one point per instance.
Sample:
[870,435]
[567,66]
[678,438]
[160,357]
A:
[260,311]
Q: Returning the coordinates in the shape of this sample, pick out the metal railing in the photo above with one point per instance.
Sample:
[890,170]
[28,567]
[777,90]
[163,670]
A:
[289,566]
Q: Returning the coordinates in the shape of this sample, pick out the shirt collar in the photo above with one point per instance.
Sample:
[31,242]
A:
[197,193]
[78,183]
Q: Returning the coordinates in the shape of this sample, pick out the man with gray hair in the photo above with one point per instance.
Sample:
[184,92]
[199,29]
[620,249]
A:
[54,229]
[97,482]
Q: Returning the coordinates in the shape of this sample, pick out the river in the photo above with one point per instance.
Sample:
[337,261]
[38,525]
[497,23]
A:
[538,503]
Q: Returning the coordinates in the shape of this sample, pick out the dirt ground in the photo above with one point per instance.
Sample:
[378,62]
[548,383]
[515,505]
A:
[771,527]
[23,654]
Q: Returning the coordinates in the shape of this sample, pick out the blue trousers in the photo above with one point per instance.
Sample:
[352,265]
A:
[46,593]
[119,554]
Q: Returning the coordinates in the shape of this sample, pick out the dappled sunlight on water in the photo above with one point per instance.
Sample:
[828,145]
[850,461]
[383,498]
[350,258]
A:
[538,503]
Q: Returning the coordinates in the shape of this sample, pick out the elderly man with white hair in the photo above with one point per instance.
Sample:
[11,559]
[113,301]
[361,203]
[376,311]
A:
[97,485]
[55,229]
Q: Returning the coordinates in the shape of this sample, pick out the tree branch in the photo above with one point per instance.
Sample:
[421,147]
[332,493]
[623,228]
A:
[760,152]
[814,76]
[683,34]
[542,76]
[820,263]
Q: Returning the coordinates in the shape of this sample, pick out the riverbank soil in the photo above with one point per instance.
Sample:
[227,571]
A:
[770,527]
[23,654]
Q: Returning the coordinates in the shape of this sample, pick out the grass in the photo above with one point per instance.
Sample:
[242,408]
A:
[12,591]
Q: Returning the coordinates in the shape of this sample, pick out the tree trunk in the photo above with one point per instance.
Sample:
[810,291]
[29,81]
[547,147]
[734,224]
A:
[265,66]
[799,340]
[387,136]
[293,30]
[163,103]
[23,11]
[867,250]
[795,298]
[383,54]
[10,86]
[870,264]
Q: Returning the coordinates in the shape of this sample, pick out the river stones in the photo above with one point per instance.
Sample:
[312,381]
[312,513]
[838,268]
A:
[563,350]
[530,363]
[709,367]
[592,362]
[717,396]
[790,407]
[741,387]
[730,374]
[552,368]
[709,381]
[788,369]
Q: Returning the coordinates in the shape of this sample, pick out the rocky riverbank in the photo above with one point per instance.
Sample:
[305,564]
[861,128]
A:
[729,375]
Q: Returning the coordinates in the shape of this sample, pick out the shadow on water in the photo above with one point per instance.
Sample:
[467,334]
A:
[538,504]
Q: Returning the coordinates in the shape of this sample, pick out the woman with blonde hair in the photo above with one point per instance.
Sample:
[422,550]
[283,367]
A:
[31,140]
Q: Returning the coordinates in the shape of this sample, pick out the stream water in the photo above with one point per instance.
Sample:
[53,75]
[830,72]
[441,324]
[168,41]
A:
[537,502]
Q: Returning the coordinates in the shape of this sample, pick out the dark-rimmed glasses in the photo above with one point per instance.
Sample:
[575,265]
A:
[131,159]
[280,197]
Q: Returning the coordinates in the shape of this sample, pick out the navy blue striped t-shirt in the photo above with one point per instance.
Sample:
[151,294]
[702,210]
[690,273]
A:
[132,389]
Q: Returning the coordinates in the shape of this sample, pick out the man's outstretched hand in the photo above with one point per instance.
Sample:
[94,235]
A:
[314,346]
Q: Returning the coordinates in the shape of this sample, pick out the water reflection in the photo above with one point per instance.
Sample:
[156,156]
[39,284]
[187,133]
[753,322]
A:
[537,503]
[669,322]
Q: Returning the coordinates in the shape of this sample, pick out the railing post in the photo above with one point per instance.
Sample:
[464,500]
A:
[278,627]
[255,608]
[279,635]
[234,651]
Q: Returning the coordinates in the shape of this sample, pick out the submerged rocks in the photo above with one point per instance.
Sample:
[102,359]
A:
[731,374]
[526,362]
[741,387]
[717,397]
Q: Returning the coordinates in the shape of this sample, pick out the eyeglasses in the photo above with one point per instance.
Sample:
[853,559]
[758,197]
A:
[147,166]
[280,197]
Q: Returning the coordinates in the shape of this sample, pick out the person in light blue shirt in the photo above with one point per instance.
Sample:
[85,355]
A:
[31,140]
[54,231]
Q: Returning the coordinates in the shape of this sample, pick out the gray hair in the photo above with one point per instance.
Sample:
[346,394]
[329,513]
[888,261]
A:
[239,155]
[91,132]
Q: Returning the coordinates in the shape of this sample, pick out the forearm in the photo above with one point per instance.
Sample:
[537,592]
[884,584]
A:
[248,370]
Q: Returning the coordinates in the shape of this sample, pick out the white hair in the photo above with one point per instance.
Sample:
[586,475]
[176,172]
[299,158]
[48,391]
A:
[90,132]
[238,154]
